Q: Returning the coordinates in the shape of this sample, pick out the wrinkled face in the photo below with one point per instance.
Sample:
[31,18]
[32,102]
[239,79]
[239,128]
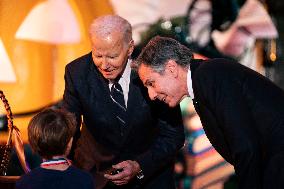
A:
[164,87]
[110,54]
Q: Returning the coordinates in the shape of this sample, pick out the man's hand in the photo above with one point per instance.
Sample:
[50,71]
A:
[129,170]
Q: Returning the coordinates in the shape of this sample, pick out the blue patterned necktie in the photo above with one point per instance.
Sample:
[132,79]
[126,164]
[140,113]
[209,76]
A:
[117,97]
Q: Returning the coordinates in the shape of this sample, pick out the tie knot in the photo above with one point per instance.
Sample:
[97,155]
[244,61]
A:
[116,87]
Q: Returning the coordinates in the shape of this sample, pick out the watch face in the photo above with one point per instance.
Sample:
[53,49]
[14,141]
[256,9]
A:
[140,175]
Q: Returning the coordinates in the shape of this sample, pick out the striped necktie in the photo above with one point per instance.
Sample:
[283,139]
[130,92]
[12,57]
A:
[117,97]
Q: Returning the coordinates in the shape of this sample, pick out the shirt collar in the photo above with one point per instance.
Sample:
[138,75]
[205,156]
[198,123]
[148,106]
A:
[189,84]
[127,71]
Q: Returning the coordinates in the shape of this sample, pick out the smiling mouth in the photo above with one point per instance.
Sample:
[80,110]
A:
[107,71]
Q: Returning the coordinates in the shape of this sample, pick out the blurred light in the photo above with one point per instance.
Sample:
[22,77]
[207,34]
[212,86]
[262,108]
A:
[7,73]
[51,21]
[273,57]
[188,39]
[166,25]
[3,123]
[177,29]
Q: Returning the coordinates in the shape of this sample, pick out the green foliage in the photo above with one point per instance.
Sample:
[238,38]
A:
[176,28]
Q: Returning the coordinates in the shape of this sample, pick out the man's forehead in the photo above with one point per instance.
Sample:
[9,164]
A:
[109,42]
[145,73]
[144,69]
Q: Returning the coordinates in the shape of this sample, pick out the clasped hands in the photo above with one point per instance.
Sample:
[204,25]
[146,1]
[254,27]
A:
[129,169]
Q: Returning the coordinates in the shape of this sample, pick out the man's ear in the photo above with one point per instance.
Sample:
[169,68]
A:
[172,67]
[130,47]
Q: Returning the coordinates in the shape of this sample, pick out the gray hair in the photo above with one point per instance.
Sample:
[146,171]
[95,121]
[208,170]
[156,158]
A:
[159,51]
[106,25]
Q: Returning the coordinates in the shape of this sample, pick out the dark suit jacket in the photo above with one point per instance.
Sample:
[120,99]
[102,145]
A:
[153,135]
[243,116]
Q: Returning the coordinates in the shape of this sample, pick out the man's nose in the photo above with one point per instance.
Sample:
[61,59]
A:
[152,93]
[104,63]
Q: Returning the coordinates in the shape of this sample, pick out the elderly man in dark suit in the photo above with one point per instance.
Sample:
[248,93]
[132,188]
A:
[127,141]
[242,112]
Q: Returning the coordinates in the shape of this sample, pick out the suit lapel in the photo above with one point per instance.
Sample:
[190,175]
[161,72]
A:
[193,67]
[194,63]
[135,100]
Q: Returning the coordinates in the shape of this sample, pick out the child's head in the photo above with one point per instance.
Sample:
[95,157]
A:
[50,132]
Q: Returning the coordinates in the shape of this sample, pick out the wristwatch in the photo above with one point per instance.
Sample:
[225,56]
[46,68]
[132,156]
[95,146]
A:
[140,175]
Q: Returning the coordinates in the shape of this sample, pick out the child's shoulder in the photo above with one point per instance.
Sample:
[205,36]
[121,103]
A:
[79,172]
[84,177]
[26,178]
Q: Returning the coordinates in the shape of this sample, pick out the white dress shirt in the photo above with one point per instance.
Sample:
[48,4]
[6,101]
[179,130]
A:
[189,84]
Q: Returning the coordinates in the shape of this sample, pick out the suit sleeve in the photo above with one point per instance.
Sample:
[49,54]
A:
[226,100]
[71,102]
[168,142]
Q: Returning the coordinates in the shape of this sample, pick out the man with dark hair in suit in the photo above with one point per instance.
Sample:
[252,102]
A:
[126,138]
[242,112]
